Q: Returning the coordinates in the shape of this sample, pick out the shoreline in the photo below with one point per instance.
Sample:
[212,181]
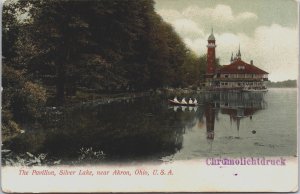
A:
[106,98]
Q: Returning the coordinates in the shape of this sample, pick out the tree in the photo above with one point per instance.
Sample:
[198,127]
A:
[59,33]
[106,46]
[10,31]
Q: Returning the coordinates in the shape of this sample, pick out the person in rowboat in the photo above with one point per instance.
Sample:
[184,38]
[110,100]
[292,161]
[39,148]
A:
[195,101]
[190,101]
[175,99]
[183,101]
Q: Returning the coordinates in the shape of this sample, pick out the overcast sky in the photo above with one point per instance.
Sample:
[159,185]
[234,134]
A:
[266,30]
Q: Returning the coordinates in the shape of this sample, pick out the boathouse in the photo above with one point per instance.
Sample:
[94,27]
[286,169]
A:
[237,75]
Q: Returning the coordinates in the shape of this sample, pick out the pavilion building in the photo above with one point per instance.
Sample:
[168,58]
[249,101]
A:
[236,75]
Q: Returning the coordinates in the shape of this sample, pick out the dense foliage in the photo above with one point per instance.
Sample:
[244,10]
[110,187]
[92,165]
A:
[104,45]
[22,100]
[52,49]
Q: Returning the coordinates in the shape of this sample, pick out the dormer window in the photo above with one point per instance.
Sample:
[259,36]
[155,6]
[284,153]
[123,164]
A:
[240,67]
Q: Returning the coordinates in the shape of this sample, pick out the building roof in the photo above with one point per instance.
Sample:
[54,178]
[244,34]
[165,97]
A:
[239,53]
[240,67]
[211,36]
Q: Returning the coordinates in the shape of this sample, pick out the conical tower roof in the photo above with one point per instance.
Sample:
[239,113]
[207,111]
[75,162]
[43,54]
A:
[211,36]
[239,52]
[231,59]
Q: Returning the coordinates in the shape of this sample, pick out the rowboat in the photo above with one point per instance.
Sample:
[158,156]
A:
[182,104]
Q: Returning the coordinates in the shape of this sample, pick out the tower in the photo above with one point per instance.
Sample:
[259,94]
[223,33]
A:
[211,55]
[239,55]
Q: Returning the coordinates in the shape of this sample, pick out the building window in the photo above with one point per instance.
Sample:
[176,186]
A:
[240,67]
[226,76]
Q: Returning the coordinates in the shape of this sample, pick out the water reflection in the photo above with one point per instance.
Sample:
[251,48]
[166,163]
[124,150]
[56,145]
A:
[185,108]
[212,117]
[237,106]
[210,121]
[136,130]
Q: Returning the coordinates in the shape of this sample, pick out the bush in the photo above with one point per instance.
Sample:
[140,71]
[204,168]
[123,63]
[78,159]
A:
[27,102]
[22,99]
[9,128]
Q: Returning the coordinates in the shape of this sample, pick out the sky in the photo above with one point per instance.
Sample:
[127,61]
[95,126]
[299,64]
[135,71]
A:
[267,31]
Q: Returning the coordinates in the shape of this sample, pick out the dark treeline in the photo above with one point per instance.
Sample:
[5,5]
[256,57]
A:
[283,84]
[55,50]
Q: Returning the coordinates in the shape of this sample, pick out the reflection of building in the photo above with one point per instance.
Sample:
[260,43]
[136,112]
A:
[239,112]
[210,121]
[236,114]
[237,105]
[241,105]
[237,75]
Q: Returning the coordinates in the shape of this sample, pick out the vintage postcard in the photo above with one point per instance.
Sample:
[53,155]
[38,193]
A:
[149,96]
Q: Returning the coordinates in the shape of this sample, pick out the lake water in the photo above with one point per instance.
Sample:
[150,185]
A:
[149,129]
